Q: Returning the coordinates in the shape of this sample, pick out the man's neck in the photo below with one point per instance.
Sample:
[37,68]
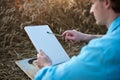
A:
[111,17]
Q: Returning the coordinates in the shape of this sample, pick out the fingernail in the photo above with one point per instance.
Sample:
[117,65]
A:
[38,55]
[40,49]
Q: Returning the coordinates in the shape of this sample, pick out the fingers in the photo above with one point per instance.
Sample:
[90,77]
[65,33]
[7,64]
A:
[66,37]
[40,53]
[43,60]
[66,32]
[69,35]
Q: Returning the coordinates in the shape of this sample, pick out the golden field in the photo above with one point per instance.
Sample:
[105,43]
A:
[60,15]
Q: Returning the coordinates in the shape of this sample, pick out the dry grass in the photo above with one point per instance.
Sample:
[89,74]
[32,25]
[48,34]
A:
[60,15]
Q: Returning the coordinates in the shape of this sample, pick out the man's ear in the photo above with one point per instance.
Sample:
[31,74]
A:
[107,3]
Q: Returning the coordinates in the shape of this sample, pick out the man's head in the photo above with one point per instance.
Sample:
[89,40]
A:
[105,11]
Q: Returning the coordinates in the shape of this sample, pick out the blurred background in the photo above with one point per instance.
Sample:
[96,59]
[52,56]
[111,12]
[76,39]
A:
[60,15]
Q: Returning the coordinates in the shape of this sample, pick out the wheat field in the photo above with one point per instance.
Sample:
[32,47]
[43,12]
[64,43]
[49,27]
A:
[60,15]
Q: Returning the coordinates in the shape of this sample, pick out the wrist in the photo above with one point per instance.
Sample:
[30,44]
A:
[86,37]
[89,37]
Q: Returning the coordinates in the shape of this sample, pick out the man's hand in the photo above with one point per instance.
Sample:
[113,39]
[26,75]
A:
[74,36]
[43,60]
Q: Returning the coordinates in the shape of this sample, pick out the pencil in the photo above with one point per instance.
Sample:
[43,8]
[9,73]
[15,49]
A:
[54,34]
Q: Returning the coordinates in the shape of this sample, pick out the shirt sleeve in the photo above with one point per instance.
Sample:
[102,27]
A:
[85,66]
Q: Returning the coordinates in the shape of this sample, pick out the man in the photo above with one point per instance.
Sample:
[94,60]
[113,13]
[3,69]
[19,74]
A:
[99,60]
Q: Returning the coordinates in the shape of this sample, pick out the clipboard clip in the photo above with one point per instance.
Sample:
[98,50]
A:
[31,60]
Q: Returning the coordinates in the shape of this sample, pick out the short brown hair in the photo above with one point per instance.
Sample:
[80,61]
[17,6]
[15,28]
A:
[115,5]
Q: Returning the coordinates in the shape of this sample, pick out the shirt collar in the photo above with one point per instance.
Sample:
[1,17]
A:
[114,25]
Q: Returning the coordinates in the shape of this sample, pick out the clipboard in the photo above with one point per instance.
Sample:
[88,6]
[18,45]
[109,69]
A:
[48,43]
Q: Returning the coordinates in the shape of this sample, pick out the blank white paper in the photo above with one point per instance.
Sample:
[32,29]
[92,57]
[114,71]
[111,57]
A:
[47,42]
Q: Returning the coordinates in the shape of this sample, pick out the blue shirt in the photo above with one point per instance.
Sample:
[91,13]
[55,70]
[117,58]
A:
[99,60]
